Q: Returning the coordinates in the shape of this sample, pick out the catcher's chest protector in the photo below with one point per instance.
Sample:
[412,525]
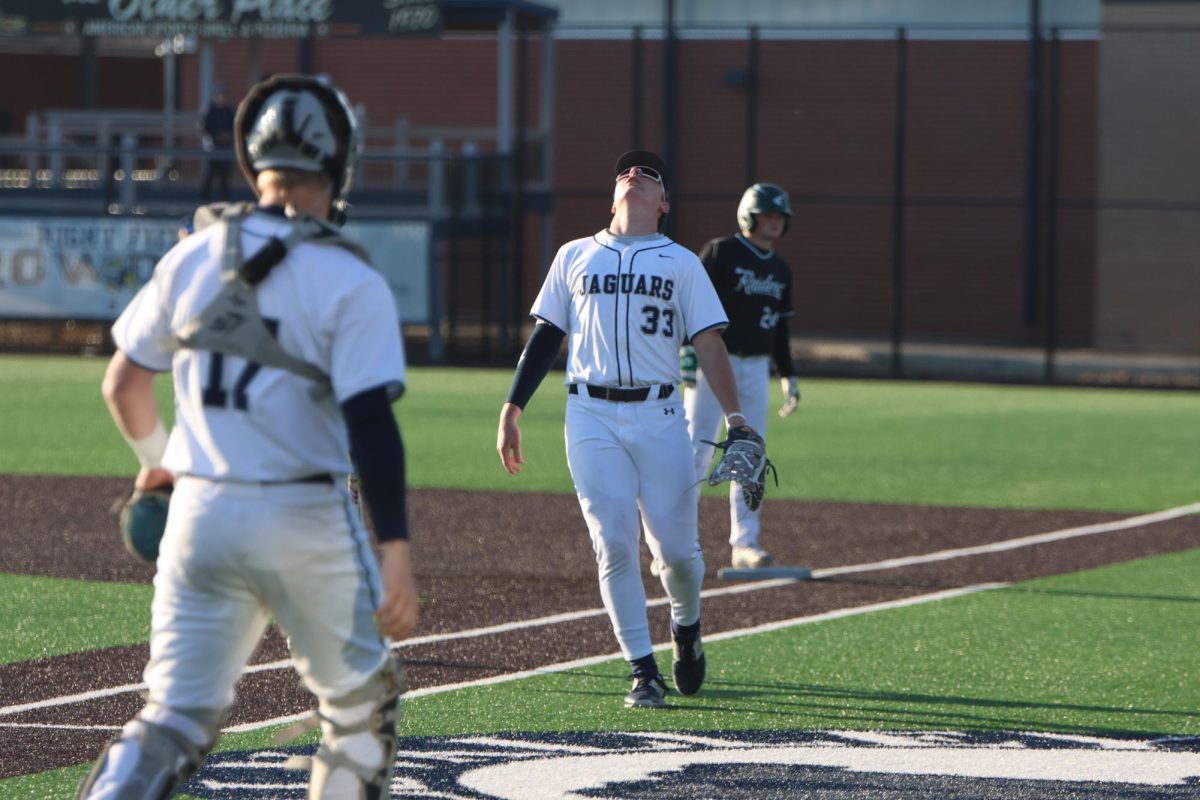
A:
[231,323]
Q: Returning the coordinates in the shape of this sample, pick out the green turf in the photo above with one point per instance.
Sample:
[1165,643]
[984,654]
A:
[1109,650]
[53,420]
[1106,651]
[52,616]
[897,442]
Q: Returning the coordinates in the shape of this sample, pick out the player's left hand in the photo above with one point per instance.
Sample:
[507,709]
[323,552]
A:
[508,439]
[397,614]
[791,395]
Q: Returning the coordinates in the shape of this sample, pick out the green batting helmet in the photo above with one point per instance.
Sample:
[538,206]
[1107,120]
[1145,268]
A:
[762,198]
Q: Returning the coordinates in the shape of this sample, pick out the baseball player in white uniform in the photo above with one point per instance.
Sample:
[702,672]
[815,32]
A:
[626,298]
[260,523]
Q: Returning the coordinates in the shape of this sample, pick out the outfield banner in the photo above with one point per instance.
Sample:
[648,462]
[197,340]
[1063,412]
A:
[90,268]
[222,19]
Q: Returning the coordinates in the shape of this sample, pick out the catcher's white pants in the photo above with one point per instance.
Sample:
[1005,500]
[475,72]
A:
[234,554]
[706,420]
[627,458]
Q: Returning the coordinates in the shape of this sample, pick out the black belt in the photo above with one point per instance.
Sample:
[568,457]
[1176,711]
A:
[320,477]
[622,395]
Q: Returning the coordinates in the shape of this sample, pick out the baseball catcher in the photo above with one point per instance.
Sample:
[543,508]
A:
[743,461]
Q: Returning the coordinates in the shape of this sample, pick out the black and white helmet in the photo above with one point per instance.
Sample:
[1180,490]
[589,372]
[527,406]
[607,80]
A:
[301,123]
[762,198]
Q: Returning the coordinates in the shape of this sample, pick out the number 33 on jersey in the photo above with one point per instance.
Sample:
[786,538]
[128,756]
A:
[627,304]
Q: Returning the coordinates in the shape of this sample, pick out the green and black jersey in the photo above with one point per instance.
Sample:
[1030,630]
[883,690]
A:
[755,288]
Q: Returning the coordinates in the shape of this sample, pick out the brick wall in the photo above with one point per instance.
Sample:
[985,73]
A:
[825,131]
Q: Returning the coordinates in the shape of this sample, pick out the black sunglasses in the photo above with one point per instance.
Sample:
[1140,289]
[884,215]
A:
[644,172]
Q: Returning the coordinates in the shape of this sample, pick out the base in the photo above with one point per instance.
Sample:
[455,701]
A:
[764,573]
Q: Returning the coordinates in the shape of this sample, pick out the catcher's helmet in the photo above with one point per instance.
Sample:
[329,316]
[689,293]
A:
[300,123]
[762,198]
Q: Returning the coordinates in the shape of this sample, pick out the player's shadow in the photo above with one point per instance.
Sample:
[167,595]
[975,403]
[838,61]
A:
[941,584]
[892,708]
[1159,598]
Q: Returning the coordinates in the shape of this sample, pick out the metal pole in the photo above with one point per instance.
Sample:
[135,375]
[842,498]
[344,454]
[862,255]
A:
[207,70]
[170,102]
[635,90]
[668,102]
[1033,165]
[510,325]
[304,55]
[437,220]
[89,69]
[752,106]
[899,155]
[547,95]
[1052,216]
[504,84]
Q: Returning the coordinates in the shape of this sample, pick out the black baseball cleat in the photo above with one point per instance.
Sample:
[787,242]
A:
[647,692]
[688,666]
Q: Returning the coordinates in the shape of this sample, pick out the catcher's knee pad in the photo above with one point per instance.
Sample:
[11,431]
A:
[357,754]
[153,754]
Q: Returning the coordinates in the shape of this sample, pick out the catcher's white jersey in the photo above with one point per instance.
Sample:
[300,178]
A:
[236,420]
[627,303]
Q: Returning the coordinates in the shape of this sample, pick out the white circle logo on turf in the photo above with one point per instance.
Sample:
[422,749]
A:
[843,764]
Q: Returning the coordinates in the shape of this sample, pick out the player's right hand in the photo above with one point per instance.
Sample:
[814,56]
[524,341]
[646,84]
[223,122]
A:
[508,439]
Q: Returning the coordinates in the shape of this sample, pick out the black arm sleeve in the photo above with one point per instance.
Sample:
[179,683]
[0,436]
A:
[536,360]
[782,350]
[378,455]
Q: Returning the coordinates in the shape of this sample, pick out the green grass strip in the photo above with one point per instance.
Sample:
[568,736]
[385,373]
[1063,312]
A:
[1110,650]
[895,442]
[54,616]
[1107,651]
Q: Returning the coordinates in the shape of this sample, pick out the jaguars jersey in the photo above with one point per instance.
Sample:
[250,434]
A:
[755,288]
[626,304]
[242,421]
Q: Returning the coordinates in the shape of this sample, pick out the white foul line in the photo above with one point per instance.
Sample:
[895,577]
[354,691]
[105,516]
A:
[751,586]
[1014,544]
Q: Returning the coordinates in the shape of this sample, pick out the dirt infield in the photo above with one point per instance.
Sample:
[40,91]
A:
[485,558]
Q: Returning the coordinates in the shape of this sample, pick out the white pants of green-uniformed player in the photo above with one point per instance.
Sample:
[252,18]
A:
[707,421]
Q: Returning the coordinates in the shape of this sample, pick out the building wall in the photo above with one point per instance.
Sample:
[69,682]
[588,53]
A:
[825,131]
[1148,283]
[40,81]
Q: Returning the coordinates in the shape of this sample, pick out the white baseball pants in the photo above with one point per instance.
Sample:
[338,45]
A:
[626,458]
[235,554]
[706,420]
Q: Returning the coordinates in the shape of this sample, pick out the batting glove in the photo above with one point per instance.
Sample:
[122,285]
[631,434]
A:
[791,395]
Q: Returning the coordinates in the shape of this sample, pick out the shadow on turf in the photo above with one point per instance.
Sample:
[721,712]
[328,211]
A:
[941,585]
[1158,598]
[719,696]
[945,712]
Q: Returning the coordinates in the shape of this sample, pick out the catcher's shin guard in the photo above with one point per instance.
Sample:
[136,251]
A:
[149,760]
[357,754]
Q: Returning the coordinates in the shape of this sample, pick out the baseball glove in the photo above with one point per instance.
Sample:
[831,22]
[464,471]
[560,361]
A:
[143,521]
[745,462]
